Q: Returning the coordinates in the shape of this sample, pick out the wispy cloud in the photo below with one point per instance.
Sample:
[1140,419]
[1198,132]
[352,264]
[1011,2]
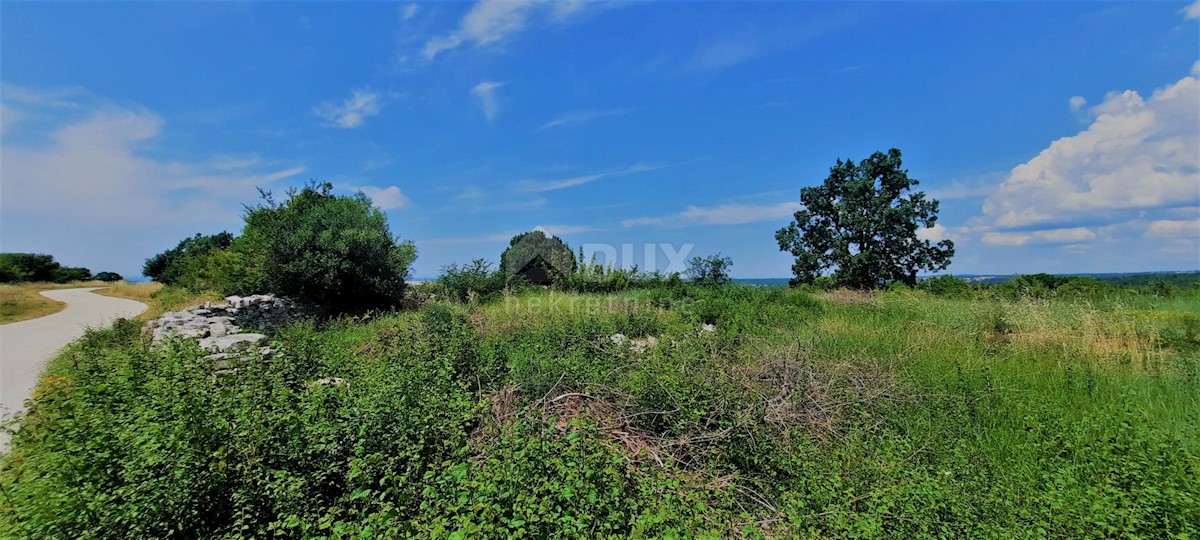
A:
[725,52]
[724,214]
[91,171]
[553,185]
[489,21]
[494,21]
[559,230]
[351,112]
[410,10]
[485,95]
[1192,11]
[571,118]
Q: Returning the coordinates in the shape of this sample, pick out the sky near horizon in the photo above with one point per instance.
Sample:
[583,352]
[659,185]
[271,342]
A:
[1059,137]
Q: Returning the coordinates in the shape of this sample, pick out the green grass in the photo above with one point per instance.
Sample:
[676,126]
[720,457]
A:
[845,415]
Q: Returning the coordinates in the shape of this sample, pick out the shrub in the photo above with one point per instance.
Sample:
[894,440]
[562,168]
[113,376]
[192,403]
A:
[333,251]
[710,271]
[474,281]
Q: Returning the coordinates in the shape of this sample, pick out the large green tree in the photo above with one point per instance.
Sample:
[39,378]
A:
[861,224]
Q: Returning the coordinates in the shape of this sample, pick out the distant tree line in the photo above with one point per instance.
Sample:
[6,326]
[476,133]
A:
[39,267]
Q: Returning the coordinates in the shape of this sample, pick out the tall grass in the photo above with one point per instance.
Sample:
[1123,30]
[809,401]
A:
[752,412]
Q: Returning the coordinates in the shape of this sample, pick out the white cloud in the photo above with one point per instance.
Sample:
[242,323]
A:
[1068,235]
[1138,154]
[578,117]
[8,117]
[1077,102]
[351,113]
[488,21]
[386,198]
[552,185]
[725,214]
[1192,11]
[494,21]
[91,170]
[1196,68]
[934,234]
[410,10]
[485,94]
[1174,228]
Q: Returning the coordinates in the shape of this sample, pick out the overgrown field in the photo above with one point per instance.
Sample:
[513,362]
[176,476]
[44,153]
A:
[847,415]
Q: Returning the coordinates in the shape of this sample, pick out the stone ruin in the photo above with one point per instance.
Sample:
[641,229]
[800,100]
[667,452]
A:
[219,327]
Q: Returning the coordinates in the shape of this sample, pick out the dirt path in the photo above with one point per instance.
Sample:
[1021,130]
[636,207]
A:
[26,346]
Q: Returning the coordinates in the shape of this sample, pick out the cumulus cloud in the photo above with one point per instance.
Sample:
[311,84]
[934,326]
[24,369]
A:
[351,112]
[553,185]
[485,96]
[386,198]
[1192,11]
[578,117]
[1069,235]
[1077,102]
[1137,154]
[724,214]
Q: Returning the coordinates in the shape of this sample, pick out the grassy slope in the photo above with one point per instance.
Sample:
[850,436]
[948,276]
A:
[844,415]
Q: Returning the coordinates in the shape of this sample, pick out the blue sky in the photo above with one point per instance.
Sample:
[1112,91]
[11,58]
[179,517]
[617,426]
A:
[1060,137]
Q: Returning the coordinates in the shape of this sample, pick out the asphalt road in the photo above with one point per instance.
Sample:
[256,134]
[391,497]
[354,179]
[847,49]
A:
[26,346]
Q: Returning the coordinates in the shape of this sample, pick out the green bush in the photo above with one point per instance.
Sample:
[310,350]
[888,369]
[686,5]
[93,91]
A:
[476,281]
[710,271]
[329,250]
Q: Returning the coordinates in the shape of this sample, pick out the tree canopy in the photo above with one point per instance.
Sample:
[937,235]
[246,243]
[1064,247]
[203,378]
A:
[862,225]
[334,251]
[538,258]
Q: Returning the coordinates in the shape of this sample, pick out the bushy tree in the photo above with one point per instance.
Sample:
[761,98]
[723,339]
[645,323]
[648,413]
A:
[17,267]
[67,274]
[334,251]
[108,276]
[173,266]
[710,271]
[537,258]
[862,224]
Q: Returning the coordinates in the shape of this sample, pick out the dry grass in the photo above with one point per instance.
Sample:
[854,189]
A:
[159,298]
[23,301]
